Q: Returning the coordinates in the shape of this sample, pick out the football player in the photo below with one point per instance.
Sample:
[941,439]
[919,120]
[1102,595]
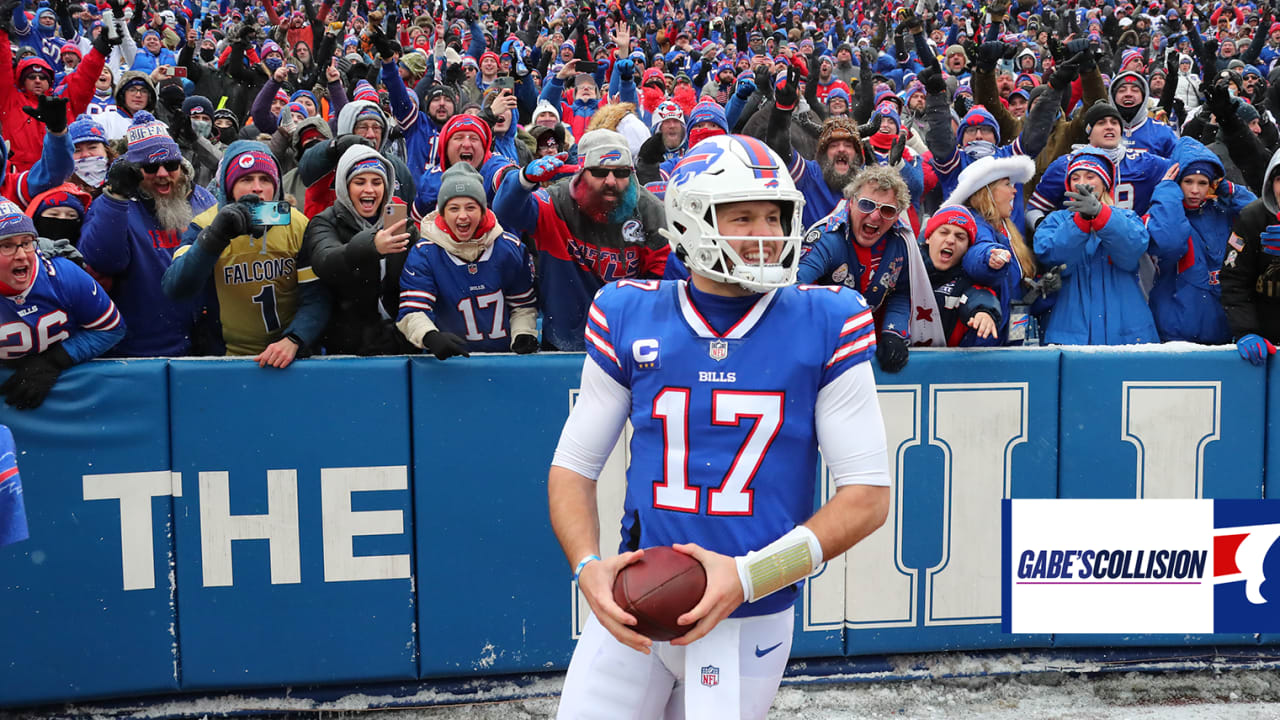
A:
[733,381]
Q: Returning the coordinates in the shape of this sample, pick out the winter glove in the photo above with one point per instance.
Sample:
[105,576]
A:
[625,68]
[1051,280]
[34,376]
[899,146]
[444,345]
[911,22]
[891,351]
[746,86]
[1253,348]
[341,144]
[547,169]
[381,42]
[524,344]
[933,81]
[1066,73]
[1086,204]
[990,53]
[232,221]
[104,43]
[787,93]
[1171,61]
[652,150]
[52,111]
[1081,48]
[123,179]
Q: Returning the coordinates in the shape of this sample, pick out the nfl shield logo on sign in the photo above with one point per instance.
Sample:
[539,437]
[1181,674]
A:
[710,675]
[719,350]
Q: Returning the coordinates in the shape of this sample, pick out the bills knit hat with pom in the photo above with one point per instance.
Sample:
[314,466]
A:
[149,141]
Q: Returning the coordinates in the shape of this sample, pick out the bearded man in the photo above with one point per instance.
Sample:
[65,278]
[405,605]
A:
[130,235]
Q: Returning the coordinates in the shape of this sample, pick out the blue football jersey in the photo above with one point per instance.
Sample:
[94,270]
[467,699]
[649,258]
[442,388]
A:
[13,516]
[1139,173]
[470,300]
[62,302]
[724,450]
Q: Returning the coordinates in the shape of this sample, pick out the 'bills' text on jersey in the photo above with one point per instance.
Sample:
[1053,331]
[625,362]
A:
[62,304]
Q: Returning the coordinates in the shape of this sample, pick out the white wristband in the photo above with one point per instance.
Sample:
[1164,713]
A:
[783,562]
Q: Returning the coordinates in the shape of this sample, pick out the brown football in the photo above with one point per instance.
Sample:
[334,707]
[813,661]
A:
[658,588]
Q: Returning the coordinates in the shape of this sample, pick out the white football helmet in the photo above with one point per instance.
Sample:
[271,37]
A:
[730,169]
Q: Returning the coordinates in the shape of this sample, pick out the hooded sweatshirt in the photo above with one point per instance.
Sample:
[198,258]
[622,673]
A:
[265,289]
[1141,131]
[364,283]
[316,166]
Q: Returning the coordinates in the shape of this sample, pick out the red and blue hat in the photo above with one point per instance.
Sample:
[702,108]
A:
[1095,162]
[977,117]
[957,215]
[149,141]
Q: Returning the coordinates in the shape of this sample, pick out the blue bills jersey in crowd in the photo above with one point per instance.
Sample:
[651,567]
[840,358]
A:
[1136,178]
[724,450]
[470,300]
[62,303]
[13,516]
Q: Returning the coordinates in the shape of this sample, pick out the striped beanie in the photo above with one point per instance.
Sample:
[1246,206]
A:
[1096,163]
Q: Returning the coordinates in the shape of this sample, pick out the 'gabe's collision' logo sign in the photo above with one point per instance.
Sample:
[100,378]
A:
[1141,566]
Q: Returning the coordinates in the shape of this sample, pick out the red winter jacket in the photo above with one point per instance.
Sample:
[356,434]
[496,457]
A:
[24,133]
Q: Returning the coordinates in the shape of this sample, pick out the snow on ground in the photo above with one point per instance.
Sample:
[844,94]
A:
[1237,694]
[1233,695]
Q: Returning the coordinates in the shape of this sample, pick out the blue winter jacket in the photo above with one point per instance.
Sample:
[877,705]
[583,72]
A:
[1007,281]
[1189,246]
[830,252]
[1101,301]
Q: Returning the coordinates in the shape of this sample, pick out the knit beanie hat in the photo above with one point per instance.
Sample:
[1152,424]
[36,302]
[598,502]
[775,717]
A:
[461,180]
[30,65]
[886,110]
[59,198]
[86,129]
[372,164]
[1095,162]
[977,117]
[708,111]
[251,161]
[365,91]
[957,215]
[197,105]
[149,140]
[1099,110]
[601,147]
[14,222]
[464,123]
[415,62]
[305,94]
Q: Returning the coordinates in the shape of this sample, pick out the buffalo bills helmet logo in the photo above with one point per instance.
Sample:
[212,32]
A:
[612,156]
[695,163]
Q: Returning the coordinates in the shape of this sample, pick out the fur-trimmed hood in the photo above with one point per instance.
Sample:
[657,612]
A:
[981,173]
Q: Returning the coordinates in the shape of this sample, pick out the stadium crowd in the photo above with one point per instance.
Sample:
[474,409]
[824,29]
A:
[464,178]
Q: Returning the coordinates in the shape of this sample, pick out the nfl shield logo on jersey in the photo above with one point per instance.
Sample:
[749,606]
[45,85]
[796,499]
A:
[473,268]
[719,350]
[710,675]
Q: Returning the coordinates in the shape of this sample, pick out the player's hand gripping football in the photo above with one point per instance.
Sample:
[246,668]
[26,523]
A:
[723,595]
[596,583]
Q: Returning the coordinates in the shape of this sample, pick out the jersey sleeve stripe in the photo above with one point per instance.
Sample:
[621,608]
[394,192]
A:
[949,165]
[522,296]
[111,315]
[857,322]
[418,293]
[419,305]
[595,314]
[1040,202]
[602,345]
[849,349]
[306,274]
